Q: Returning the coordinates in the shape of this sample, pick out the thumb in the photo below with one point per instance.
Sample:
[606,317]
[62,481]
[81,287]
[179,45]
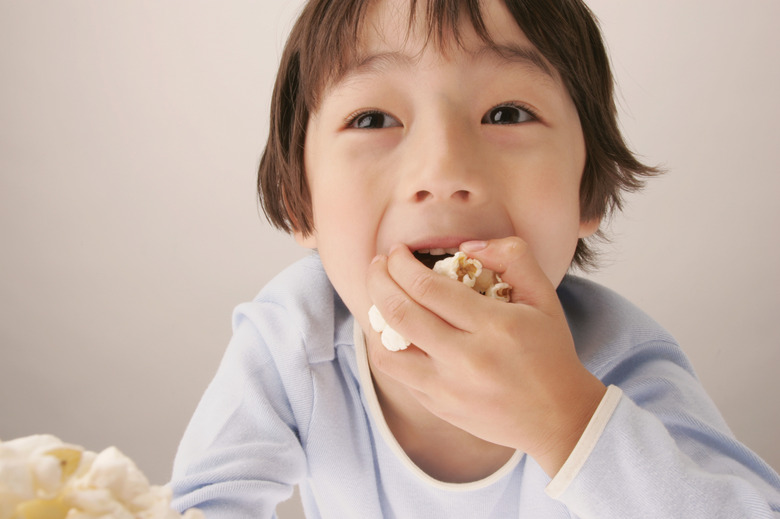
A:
[512,259]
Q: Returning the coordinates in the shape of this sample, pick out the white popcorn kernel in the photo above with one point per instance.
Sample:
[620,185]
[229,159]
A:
[485,280]
[41,477]
[116,472]
[48,473]
[16,478]
[471,272]
[459,267]
[394,341]
[490,284]
[97,502]
[501,291]
[40,509]
[391,339]
[375,318]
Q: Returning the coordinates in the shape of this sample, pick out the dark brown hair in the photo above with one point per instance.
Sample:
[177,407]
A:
[323,42]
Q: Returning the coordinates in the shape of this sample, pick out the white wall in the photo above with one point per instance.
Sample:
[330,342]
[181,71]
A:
[130,132]
[698,249]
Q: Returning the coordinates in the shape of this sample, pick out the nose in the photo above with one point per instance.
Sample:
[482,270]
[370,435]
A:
[447,163]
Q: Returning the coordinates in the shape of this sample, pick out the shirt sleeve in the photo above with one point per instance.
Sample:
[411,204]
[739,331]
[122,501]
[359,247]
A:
[658,448]
[241,454]
[586,443]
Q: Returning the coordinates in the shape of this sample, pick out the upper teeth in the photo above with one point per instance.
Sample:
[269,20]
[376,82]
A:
[439,251]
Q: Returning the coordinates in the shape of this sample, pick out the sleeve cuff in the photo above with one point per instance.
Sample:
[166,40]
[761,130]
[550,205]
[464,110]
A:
[586,443]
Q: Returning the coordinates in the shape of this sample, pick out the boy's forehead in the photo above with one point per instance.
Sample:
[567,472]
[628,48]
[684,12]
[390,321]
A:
[394,36]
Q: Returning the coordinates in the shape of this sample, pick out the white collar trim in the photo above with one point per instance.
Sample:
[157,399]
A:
[364,374]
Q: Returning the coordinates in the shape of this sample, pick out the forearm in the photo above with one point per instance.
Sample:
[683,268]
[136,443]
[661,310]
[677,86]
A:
[241,454]
[637,468]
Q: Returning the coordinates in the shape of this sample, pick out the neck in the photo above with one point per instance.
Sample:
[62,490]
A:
[440,449]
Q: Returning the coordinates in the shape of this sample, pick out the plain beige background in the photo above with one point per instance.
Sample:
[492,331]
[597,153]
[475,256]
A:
[130,132]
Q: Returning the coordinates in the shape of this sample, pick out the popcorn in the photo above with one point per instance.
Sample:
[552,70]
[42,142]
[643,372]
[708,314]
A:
[44,478]
[499,290]
[459,267]
[470,272]
[391,339]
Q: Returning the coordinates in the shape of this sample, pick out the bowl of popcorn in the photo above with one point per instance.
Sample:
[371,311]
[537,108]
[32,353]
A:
[43,478]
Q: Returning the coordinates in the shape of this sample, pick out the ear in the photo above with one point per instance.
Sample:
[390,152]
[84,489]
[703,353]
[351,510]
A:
[589,227]
[306,240]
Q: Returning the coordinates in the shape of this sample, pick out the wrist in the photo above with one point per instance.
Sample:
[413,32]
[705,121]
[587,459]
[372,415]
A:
[566,426]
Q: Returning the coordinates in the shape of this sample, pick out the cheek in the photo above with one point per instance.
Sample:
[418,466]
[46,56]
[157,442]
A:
[549,220]
[553,239]
[341,221]
[343,210]
[555,259]
[345,223]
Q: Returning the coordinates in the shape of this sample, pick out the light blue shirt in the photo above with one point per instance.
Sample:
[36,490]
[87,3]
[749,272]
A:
[289,406]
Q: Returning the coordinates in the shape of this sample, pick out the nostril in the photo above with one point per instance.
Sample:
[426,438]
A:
[422,196]
[462,195]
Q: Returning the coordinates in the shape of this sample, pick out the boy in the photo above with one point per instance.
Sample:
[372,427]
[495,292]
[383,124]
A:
[402,130]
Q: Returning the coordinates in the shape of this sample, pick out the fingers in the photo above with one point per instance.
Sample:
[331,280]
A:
[437,314]
[425,307]
[411,367]
[451,302]
[402,288]
[428,333]
[475,360]
[514,261]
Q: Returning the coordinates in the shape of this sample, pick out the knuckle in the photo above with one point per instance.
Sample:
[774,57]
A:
[490,360]
[423,284]
[518,246]
[477,366]
[519,256]
[509,327]
[396,308]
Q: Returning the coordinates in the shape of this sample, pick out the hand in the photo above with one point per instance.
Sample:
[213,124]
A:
[506,373]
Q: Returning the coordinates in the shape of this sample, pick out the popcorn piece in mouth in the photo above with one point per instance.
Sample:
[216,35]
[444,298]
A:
[459,267]
[471,273]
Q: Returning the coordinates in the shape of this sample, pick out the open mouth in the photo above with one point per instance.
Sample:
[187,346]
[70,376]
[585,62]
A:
[429,257]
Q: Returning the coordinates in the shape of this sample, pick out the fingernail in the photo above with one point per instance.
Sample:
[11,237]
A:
[473,246]
[377,258]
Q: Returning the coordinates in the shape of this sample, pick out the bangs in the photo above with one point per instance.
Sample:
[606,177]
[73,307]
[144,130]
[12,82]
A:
[333,47]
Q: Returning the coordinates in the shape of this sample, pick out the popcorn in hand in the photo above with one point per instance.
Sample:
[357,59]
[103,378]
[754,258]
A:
[459,267]
[391,339]
[44,478]
[470,272]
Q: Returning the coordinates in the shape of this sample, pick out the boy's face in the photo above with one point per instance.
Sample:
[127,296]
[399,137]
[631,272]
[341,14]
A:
[430,150]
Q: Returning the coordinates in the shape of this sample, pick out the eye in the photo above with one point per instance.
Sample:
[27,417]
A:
[371,120]
[509,113]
